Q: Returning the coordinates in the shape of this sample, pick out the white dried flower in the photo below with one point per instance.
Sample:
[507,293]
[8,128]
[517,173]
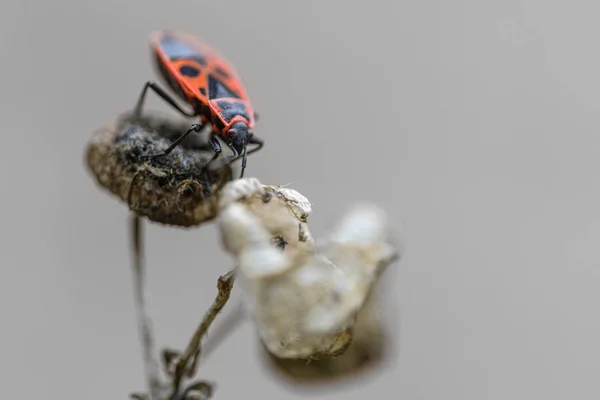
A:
[304,302]
[239,189]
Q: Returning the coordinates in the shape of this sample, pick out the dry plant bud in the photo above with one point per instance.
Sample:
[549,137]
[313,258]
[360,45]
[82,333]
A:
[179,188]
[170,190]
[304,302]
[283,213]
[368,348]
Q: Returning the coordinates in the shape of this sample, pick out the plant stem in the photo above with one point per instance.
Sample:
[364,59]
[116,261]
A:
[192,352]
[149,354]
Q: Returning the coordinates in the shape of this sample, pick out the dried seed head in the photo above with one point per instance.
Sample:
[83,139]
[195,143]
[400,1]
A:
[274,209]
[299,204]
[242,234]
[171,189]
[240,189]
[304,304]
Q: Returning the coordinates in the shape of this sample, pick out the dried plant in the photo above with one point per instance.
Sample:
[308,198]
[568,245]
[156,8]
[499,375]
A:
[304,299]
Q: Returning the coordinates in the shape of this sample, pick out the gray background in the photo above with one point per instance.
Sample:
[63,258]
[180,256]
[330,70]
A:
[483,122]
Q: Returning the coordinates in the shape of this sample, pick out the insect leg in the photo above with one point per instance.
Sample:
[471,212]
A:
[163,95]
[244,154]
[258,142]
[193,128]
[216,147]
[253,140]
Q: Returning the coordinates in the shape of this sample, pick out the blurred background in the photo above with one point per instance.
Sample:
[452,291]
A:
[474,124]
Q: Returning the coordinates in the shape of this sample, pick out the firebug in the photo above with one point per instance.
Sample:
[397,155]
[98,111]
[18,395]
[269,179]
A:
[200,76]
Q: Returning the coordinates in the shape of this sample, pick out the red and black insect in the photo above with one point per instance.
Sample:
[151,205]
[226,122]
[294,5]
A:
[210,85]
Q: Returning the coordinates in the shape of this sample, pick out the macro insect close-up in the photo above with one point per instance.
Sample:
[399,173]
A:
[414,214]
[199,75]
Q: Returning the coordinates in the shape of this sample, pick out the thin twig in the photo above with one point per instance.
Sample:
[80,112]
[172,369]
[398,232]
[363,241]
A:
[151,364]
[192,352]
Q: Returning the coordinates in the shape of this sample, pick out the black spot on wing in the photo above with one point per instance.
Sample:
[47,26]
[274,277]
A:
[202,91]
[218,90]
[230,109]
[188,70]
